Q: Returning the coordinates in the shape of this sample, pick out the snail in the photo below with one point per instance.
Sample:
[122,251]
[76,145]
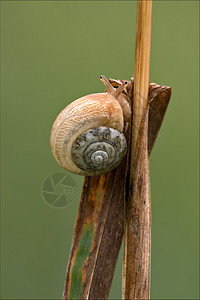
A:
[87,136]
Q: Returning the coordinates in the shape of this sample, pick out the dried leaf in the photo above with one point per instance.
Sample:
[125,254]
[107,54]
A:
[159,97]
[97,237]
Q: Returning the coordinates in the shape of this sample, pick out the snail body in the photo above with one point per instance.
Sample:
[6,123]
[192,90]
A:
[86,137]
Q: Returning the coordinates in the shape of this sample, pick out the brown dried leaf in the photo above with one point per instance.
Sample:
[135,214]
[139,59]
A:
[101,210]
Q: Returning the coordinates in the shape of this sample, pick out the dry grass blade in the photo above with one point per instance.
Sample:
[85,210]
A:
[138,211]
[97,237]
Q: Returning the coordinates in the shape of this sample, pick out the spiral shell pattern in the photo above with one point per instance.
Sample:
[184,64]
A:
[99,150]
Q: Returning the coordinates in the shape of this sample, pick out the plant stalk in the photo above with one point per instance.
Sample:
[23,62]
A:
[142,66]
[137,233]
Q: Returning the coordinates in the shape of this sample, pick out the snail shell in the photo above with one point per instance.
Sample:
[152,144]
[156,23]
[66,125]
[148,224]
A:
[86,137]
[100,149]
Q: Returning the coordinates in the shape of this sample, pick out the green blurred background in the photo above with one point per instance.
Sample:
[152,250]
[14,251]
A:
[52,53]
